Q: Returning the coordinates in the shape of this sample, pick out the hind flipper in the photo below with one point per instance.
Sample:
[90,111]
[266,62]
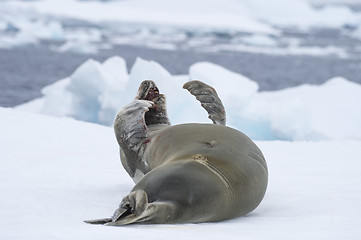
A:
[135,208]
[98,221]
[209,99]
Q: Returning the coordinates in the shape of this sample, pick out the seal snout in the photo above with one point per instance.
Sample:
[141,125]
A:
[152,93]
[148,90]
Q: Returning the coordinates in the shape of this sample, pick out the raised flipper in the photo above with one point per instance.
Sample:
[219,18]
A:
[209,99]
[132,135]
[129,125]
[135,208]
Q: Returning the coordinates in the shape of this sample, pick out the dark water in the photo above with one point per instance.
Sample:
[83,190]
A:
[24,71]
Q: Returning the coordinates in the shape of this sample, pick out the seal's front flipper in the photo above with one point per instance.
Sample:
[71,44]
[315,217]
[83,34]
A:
[129,125]
[209,99]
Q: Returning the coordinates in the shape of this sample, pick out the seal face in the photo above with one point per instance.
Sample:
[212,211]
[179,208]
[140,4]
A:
[188,172]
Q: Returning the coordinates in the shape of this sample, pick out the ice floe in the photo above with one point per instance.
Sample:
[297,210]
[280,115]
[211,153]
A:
[96,91]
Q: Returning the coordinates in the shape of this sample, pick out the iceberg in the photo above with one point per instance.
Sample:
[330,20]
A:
[310,112]
[96,91]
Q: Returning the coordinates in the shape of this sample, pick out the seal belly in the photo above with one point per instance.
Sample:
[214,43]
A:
[197,195]
[228,154]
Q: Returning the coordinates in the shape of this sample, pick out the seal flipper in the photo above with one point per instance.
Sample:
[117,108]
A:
[135,208]
[129,125]
[209,99]
[132,133]
[99,221]
[130,209]
[155,213]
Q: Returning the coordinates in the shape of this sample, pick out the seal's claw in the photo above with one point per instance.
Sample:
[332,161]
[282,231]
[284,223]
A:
[209,99]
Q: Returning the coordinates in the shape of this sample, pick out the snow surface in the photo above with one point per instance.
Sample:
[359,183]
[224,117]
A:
[56,172]
[96,91]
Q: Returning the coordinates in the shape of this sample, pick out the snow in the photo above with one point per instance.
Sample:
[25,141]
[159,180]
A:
[310,112]
[316,2]
[231,14]
[56,172]
[80,41]
[201,13]
[293,48]
[30,32]
[256,16]
[259,40]
[96,91]
[77,47]
[169,25]
[20,39]
[301,14]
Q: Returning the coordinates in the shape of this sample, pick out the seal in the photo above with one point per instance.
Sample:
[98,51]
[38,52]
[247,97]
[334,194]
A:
[187,173]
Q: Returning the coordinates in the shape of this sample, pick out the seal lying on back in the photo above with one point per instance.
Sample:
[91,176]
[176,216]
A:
[185,173]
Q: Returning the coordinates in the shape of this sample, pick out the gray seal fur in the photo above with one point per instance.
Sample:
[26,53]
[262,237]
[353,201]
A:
[187,173]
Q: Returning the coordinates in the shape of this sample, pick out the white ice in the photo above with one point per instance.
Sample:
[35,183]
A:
[28,28]
[82,47]
[57,172]
[317,2]
[186,13]
[230,14]
[292,48]
[299,13]
[262,18]
[95,92]
[309,112]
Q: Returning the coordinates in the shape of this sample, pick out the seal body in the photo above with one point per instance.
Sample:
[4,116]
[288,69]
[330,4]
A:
[188,172]
[212,172]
